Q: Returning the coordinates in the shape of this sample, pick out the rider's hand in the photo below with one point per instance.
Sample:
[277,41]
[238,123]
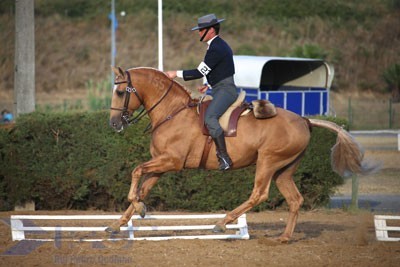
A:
[202,89]
[171,74]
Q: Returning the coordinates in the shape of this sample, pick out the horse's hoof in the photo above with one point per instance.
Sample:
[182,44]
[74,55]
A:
[219,228]
[113,229]
[141,209]
[283,239]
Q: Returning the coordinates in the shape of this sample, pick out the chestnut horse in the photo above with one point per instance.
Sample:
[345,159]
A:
[275,145]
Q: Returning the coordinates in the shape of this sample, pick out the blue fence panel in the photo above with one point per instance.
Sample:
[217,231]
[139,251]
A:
[304,103]
[325,100]
[277,98]
[312,103]
[294,102]
[264,95]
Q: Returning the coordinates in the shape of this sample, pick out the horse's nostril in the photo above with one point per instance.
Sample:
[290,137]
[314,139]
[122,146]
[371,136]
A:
[113,124]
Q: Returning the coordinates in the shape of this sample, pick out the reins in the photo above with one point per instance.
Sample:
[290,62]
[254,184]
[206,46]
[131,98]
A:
[190,104]
[125,112]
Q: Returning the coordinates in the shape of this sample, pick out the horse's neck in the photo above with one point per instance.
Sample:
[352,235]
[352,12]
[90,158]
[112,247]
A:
[167,95]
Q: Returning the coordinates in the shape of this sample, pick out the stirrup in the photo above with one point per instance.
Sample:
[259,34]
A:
[224,164]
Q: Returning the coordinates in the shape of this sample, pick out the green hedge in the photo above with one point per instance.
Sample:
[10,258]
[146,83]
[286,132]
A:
[68,161]
[76,161]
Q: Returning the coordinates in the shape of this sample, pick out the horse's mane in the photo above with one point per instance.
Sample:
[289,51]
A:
[187,91]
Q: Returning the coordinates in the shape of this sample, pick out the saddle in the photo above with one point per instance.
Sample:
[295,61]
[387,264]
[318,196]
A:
[262,109]
[229,119]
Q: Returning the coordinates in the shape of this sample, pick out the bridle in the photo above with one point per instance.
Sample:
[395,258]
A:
[125,111]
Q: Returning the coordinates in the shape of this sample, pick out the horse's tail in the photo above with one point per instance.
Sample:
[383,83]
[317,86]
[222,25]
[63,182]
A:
[347,156]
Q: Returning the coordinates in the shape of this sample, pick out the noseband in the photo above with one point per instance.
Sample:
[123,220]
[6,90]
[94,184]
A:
[131,89]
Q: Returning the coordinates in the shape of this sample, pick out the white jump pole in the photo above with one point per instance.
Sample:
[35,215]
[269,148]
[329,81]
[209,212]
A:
[382,229]
[20,231]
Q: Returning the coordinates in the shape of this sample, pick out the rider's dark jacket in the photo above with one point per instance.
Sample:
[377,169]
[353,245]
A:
[218,63]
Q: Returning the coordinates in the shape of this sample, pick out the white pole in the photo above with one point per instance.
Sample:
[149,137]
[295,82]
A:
[160,41]
[112,38]
[398,141]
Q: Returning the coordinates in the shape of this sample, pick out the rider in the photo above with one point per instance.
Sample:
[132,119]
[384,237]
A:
[218,68]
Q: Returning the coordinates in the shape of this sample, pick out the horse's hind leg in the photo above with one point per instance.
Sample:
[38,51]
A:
[259,194]
[288,188]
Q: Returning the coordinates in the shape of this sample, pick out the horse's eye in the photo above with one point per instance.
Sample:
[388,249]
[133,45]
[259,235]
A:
[120,93]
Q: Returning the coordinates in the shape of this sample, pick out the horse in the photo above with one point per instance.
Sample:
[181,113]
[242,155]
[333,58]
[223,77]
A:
[276,145]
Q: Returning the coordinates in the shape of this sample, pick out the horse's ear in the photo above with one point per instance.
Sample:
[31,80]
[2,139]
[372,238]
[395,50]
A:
[118,71]
[115,70]
[121,72]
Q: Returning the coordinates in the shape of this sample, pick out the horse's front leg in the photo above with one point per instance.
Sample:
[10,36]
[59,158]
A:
[133,191]
[138,194]
[135,205]
[154,169]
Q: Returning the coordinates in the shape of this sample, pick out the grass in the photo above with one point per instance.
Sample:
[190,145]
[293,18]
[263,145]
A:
[366,111]
[67,105]
[98,97]
[357,38]
[385,182]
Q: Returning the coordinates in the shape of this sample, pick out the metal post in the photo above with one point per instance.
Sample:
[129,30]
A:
[350,114]
[390,114]
[354,192]
[113,46]
[24,68]
[398,141]
[160,37]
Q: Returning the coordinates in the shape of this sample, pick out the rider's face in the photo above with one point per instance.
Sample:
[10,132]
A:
[209,34]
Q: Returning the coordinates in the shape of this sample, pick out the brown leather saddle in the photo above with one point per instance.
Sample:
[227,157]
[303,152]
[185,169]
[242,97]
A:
[229,119]
[262,109]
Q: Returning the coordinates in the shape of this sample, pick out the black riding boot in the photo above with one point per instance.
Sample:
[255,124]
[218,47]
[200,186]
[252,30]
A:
[225,161]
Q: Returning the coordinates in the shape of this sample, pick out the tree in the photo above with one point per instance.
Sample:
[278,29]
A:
[392,78]
[24,76]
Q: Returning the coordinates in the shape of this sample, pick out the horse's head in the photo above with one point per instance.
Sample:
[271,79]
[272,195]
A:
[125,100]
